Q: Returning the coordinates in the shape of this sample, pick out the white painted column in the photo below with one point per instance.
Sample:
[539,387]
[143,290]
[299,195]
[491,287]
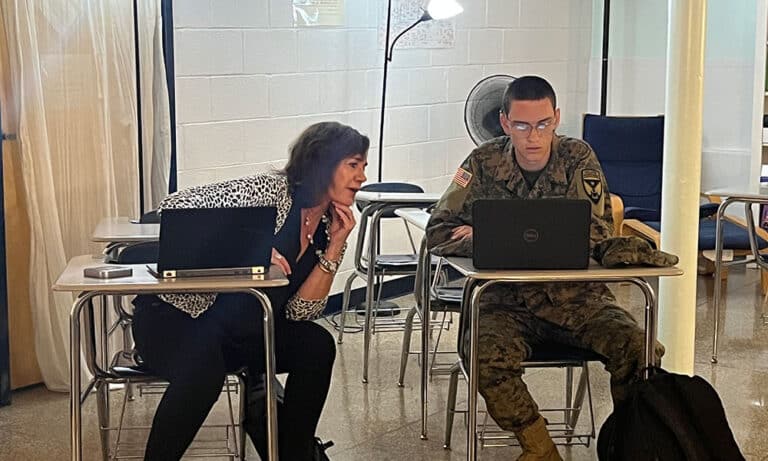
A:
[682,178]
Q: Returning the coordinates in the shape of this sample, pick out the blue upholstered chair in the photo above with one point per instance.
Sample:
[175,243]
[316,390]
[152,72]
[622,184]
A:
[630,150]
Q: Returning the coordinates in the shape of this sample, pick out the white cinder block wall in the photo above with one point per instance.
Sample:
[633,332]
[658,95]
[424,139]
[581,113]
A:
[248,81]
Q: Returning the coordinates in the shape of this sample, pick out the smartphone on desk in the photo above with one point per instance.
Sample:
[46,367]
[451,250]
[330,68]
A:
[107,272]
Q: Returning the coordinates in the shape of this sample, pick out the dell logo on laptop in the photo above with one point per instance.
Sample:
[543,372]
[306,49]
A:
[530,235]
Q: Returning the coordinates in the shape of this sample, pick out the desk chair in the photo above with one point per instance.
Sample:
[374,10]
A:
[133,253]
[563,431]
[630,150]
[128,370]
[383,265]
[150,217]
[443,298]
[126,367]
[547,355]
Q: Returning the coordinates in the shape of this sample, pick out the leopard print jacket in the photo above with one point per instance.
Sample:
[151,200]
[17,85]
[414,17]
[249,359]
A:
[264,189]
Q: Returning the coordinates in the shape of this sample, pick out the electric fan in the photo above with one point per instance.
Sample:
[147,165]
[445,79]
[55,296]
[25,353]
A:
[481,111]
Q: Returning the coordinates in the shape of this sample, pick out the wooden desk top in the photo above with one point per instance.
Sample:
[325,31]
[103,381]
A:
[72,279]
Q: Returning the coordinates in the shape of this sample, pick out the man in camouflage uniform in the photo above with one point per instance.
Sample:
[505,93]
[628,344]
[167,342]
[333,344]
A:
[532,162]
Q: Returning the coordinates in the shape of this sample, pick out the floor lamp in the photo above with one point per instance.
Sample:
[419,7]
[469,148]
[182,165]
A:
[436,9]
[604,60]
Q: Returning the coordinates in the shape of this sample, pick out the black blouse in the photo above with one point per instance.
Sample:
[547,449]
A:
[288,244]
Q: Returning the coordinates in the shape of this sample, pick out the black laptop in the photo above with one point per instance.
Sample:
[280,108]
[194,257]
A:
[531,234]
[198,242]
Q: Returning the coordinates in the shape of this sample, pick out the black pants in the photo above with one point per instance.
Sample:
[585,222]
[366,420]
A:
[194,355]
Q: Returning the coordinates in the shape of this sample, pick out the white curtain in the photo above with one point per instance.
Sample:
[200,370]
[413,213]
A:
[155,109]
[73,78]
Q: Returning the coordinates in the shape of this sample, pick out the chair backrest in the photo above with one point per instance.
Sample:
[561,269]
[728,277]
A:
[150,217]
[402,187]
[139,253]
[630,150]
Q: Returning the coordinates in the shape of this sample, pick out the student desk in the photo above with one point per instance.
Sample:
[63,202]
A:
[122,230]
[142,282]
[477,281]
[748,198]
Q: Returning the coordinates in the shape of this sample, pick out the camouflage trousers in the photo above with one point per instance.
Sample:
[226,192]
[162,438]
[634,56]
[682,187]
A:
[507,333]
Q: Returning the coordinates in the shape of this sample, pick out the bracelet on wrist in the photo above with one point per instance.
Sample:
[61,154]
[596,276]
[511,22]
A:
[330,267]
[324,269]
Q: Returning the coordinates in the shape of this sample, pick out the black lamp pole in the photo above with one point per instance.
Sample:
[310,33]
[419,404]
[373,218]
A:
[384,88]
[387,58]
[604,71]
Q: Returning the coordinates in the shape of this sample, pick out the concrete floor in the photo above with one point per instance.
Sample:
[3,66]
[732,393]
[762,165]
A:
[381,421]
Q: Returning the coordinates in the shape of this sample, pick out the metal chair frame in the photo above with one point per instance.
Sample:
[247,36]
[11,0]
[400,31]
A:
[439,303]
[563,432]
[372,323]
[122,369]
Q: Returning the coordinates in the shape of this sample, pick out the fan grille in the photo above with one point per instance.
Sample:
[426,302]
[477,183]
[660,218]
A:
[481,111]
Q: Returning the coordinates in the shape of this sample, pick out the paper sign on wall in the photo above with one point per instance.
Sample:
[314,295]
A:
[431,34]
[313,13]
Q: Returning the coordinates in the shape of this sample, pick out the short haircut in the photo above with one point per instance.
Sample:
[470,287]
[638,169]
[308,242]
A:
[528,88]
[314,156]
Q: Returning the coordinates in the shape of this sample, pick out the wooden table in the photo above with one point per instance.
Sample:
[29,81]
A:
[142,282]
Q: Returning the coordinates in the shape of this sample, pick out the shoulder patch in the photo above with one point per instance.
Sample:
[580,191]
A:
[593,184]
[462,177]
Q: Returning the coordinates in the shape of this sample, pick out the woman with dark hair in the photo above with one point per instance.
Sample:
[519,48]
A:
[193,340]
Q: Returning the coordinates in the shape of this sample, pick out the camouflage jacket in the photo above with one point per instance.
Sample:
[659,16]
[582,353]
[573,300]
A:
[490,171]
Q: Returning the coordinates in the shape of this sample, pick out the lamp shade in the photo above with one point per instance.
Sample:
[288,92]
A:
[443,9]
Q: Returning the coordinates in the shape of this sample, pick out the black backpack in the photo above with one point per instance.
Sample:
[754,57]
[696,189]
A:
[668,417]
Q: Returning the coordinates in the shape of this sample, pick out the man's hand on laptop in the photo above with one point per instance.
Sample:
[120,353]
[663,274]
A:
[280,261]
[461,232]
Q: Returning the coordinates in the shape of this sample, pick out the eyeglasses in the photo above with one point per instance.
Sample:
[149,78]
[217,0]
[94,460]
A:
[524,129]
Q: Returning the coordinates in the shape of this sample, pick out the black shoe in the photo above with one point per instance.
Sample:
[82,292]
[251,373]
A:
[319,450]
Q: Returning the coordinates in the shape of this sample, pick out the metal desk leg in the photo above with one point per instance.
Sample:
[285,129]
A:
[75,409]
[426,264]
[718,269]
[474,297]
[373,250]
[369,298]
[651,314]
[269,370]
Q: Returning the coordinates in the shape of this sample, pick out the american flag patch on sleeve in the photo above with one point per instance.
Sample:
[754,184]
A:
[462,177]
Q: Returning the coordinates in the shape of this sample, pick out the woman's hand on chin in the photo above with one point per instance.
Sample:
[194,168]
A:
[342,223]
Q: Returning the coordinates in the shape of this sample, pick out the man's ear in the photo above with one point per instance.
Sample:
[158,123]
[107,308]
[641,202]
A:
[557,117]
[504,122]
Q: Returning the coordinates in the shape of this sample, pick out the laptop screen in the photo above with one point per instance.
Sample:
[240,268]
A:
[531,234]
[212,238]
